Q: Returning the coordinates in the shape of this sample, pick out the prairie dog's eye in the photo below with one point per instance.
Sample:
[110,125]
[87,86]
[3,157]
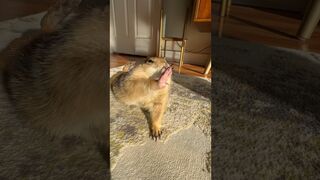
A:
[149,61]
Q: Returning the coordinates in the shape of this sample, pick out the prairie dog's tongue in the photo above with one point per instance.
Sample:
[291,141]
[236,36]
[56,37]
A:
[161,73]
[166,67]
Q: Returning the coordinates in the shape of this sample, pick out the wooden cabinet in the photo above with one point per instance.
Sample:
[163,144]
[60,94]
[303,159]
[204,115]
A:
[202,11]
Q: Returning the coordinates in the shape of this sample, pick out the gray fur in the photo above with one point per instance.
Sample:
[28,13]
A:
[58,83]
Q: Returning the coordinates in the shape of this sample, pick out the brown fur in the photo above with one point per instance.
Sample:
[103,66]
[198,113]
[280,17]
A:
[61,9]
[58,81]
[139,86]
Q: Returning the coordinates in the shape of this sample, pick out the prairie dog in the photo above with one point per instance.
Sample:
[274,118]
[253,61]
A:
[58,81]
[147,86]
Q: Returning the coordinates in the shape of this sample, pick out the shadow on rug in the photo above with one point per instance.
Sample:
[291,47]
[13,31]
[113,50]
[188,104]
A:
[266,114]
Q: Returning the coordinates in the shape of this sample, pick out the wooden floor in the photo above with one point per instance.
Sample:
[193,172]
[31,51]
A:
[270,27]
[187,69]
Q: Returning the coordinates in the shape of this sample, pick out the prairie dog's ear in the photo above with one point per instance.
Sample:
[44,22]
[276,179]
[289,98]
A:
[164,59]
[58,12]
[128,66]
[161,57]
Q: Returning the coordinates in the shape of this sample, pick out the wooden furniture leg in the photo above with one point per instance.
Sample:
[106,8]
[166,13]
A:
[182,54]
[228,7]
[310,20]
[159,51]
[223,7]
[207,70]
[165,48]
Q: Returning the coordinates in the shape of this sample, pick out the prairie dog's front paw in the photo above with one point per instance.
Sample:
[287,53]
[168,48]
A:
[155,132]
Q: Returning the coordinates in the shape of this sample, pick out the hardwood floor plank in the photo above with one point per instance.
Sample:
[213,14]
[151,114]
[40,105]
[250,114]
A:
[270,27]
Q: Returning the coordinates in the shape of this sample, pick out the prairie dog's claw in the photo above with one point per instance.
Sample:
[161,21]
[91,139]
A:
[155,133]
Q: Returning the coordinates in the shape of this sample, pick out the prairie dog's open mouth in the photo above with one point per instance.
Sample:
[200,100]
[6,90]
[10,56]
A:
[157,75]
[163,69]
[166,67]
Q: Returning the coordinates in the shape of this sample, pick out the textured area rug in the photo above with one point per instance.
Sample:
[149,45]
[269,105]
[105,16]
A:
[184,155]
[266,104]
[189,104]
